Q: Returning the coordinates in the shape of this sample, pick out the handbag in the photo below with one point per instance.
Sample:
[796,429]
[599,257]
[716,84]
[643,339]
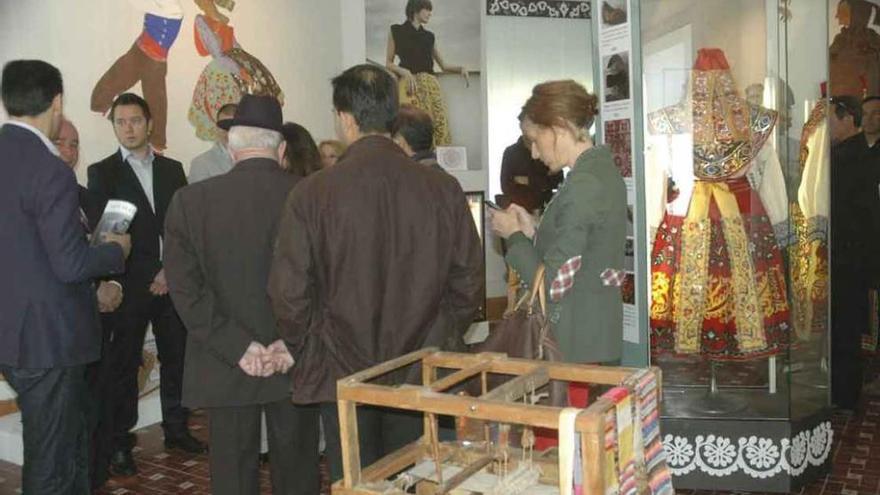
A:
[525,332]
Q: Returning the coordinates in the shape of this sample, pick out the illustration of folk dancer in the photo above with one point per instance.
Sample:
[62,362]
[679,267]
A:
[145,62]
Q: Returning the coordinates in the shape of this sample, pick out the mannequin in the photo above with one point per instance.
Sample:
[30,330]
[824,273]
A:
[718,282]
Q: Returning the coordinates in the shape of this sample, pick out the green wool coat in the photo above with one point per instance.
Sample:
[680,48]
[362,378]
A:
[587,218]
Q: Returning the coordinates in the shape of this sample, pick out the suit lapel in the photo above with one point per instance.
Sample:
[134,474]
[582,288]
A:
[160,189]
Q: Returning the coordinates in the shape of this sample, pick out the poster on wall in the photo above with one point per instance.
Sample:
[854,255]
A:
[434,51]
[187,58]
[231,72]
[616,108]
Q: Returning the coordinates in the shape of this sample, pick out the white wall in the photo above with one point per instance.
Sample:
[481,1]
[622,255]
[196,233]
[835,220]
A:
[300,42]
[736,26]
[520,53]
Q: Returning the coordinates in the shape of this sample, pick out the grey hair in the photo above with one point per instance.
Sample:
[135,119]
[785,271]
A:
[244,137]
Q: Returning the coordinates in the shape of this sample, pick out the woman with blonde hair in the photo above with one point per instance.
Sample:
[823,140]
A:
[330,150]
[581,236]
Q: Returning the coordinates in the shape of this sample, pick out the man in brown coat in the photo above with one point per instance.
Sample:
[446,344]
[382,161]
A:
[376,257]
[219,235]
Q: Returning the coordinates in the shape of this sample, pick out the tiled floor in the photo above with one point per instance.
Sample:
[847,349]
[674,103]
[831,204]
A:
[856,468]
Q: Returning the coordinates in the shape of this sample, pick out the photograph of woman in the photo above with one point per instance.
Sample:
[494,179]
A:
[410,55]
[232,73]
[580,238]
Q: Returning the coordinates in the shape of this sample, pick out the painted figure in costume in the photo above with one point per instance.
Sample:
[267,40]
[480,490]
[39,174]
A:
[808,256]
[855,51]
[145,62]
[233,72]
[416,50]
[718,283]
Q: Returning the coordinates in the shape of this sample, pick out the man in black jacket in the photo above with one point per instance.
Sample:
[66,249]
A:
[135,174]
[48,314]
[855,208]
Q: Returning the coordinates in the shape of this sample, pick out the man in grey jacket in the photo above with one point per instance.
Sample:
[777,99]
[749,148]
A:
[216,160]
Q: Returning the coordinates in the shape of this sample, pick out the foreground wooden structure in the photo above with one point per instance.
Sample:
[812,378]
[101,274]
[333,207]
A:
[500,407]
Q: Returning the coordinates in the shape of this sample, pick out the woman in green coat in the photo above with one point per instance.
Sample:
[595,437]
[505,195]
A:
[583,229]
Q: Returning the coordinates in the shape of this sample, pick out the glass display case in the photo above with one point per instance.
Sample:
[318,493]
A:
[736,204]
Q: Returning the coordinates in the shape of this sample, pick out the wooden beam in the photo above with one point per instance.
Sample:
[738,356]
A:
[519,386]
[588,373]
[417,399]
[593,448]
[394,463]
[387,367]
[348,435]
[464,474]
[460,376]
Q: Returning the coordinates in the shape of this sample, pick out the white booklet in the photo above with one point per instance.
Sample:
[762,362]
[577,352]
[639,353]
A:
[116,219]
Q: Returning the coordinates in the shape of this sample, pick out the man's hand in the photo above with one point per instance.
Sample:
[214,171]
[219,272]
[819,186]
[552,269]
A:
[159,287]
[124,241]
[280,356]
[252,362]
[109,296]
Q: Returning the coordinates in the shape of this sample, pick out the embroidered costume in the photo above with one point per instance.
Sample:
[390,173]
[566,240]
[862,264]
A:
[232,73]
[808,255]
[718,283]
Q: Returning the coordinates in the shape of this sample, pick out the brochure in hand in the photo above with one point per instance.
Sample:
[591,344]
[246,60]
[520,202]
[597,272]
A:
[115,219]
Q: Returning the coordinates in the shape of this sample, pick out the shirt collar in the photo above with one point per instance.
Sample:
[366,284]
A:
[126,153]
[49,144]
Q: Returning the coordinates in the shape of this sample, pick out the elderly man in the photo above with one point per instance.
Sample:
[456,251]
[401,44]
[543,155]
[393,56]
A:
[219,238]
[358,279]
[67,142]
[215,161]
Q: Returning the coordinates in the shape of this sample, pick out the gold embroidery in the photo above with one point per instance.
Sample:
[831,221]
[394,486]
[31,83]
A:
[692,290]
[728,132]
[660,303]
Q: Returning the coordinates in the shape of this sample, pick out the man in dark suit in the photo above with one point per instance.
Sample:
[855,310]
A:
[376,257]
[854,208]
[109,293]
[135,174]
[218,246]
[525,180]
[48,314]
[67,142]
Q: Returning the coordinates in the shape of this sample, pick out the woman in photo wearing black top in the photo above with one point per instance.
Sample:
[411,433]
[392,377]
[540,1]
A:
[416,49]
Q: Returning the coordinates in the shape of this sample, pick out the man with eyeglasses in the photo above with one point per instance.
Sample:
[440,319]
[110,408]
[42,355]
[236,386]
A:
[136,174]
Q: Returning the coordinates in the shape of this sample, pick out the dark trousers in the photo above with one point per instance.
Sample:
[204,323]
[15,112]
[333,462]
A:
[381,431]
[53,414]
[293,448]
[99,378]
[849,319]
[128,328]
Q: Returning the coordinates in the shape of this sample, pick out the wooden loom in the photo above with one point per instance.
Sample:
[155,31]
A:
[454,466]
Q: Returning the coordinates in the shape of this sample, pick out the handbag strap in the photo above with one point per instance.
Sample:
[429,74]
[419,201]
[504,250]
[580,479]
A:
[538,291]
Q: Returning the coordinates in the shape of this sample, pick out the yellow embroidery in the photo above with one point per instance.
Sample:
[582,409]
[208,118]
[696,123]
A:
[429,98]
[692,290]
[661,306]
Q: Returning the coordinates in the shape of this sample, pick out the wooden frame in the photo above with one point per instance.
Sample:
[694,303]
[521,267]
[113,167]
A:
[430,399]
